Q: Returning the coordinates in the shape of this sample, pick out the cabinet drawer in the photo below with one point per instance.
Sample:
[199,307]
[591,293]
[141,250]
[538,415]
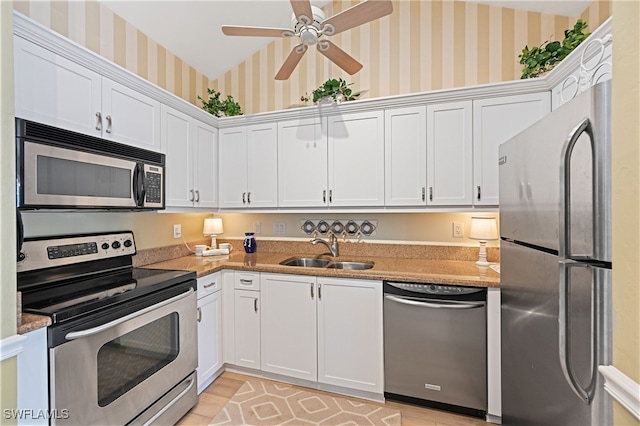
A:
[209,284]
[247,280]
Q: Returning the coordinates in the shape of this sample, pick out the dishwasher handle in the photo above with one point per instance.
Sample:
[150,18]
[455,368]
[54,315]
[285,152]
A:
[454,305]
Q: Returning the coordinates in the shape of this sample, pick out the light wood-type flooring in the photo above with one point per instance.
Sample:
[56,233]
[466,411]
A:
[220,391]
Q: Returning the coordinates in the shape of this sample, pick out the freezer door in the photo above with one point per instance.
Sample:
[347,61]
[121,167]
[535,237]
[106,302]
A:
[534,388]
[536,164]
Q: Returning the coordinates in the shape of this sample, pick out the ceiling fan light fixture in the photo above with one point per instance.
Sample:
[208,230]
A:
[309,36]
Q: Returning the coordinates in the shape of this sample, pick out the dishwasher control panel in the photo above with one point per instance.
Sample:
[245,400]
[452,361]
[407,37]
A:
[435,288]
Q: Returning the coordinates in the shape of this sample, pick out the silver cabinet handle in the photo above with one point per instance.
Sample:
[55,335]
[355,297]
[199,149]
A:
[479,193]
[324,195]
[197,195]
[99,121]
[199,314]
[95,330]
[246,282]
[331,196]
[423,194]
[255,305]
[211,284]
[191,198]
[431,193]
[585,394]
[172,403]
[244,199]
[248,197]
[459,305]
[109,124]
[311,291]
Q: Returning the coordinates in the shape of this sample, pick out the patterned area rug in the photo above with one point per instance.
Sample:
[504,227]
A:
[262,403]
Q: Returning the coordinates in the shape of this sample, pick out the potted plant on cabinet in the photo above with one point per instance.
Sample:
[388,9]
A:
[332,90]
[541,59]
[220,108]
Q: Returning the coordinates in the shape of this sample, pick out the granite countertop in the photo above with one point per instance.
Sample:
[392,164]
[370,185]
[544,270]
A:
[32,322]
[385,268]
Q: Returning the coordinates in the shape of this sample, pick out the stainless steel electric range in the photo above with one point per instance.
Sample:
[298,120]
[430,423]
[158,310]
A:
[123,340]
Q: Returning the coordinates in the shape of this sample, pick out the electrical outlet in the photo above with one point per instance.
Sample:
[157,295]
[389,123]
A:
[177,231]
[279,228]
[257,227]
[458,230]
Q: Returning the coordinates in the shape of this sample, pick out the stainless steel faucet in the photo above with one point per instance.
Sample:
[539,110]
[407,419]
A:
[332,245]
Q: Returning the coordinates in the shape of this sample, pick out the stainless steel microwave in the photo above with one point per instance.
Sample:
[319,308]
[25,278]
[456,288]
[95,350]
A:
[60,169]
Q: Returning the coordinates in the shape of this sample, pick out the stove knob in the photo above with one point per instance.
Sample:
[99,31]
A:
[105,246]
[115,244]
[128,243]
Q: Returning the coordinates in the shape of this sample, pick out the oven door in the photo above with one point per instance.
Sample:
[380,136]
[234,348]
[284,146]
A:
[110,373]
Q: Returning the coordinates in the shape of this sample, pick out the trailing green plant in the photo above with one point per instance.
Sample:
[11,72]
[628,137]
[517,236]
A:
[540,59]
[338,89]
[220,107]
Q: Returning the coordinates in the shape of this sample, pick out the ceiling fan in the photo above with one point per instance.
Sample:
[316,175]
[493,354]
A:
[309,24]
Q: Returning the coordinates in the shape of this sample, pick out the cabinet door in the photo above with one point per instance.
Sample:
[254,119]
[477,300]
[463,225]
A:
[356,159]
[33,377]
[55,91]
[350,351]
[302,163]
[209,338]
[495,121]
[247,328]
[205,148]
[176,144]
[130,117]
[233,167]
[449,154]
[262,170]
[288,324]
[405,156]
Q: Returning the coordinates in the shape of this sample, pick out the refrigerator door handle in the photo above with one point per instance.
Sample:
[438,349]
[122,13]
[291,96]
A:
[565,185]
[585,394]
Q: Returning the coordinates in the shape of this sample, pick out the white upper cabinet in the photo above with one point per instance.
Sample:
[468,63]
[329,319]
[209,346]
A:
[249,166]
[405,157]
[191,160]
[449,154]
[52,90]
[302,163]
[495,120]
[356,160]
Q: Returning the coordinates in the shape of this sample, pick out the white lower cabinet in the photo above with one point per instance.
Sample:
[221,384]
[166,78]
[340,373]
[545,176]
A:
[33,376]
[324,329]
[350,346]
[209,329]
[246,305]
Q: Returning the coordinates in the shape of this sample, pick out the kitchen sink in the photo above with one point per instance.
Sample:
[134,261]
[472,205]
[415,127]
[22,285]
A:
[314,262]
[359,266]
[308,262]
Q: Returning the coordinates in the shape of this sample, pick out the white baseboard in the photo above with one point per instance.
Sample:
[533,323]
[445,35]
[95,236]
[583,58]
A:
[11,346]
[622,388]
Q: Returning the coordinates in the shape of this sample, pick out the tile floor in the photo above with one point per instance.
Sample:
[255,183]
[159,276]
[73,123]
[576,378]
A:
[220,391]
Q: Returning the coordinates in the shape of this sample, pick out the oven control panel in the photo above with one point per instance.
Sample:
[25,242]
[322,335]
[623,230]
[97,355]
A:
[47,252]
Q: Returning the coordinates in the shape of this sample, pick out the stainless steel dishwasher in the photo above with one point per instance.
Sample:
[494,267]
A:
[435,346]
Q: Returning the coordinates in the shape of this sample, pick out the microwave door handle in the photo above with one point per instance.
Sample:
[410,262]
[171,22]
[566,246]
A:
[565,185]
[138,184]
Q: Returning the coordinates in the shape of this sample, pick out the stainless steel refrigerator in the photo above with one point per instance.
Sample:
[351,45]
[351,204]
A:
[555,229]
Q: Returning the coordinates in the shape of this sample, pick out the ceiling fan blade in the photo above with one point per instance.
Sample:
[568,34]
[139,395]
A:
[302,7]
[339,57]
[361,13]
[291,62]
[256,31]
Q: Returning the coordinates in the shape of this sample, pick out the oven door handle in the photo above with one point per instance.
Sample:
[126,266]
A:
[456,305]
[171,403]
[95,330]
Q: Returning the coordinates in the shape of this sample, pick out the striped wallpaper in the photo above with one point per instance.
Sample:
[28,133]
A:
[423,45]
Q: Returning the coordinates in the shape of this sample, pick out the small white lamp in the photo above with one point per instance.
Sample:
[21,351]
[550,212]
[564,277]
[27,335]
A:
[483,229]
[213,227]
